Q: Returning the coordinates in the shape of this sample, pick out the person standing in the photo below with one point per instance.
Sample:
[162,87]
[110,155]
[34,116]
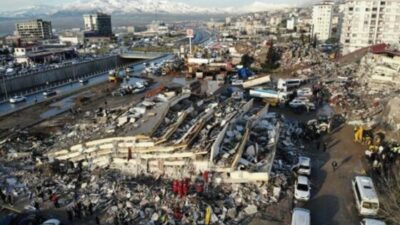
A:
[324,147]
[97,220]
[334,165]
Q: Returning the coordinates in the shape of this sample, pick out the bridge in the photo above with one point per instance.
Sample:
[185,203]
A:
[140,55]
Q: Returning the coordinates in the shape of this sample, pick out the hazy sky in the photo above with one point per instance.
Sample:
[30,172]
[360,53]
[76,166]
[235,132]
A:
[6,5]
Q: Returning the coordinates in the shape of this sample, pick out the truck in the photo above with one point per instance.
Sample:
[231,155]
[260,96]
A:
[255,81]
[271,97]
[286,85]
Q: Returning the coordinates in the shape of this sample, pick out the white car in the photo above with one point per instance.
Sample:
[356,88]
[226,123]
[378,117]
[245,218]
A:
[304,165]
[296,103]
[302,189]
[372,222]
[52,222]
[304,92]
[301,216]
[83,81]
[17,99]
[49,93]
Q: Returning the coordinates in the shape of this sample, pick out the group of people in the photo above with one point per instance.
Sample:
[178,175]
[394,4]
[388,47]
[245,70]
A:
[80,211]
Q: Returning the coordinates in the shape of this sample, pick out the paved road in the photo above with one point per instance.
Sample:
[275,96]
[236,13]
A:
[6,107]
[332,200]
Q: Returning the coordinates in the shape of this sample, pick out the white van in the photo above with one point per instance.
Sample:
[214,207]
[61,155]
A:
[286,85]
[372,222]
[301,216]
[367,201]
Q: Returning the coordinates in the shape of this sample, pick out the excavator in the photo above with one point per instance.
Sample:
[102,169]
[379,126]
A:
[366,135]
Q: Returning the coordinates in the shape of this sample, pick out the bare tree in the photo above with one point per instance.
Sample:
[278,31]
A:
[388,186]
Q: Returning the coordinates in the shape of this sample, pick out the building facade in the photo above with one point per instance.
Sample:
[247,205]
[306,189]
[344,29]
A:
[322,20]
[34,30]
[369,22]
[291,23]
[98,23]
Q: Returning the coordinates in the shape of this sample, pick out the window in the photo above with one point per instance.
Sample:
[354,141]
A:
[374,9]
[358,195]
[351,9]
[370,205]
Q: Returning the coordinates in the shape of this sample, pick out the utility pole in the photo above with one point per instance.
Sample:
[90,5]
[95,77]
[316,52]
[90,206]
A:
[190,35]
[190,45]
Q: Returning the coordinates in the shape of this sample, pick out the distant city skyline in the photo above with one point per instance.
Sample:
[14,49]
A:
[21,4]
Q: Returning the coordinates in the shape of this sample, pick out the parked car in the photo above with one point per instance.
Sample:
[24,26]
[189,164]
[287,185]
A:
[296,103]
[301,216]
[304,165]
[17,99]
[367,201]
[83,81]
[52,222]
[304,92]
[49,93]
[302,191]
[372,222]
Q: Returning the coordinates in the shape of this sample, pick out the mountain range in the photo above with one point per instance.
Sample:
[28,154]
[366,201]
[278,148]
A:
[125,7]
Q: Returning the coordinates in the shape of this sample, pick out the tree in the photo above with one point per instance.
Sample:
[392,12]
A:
[389,187]
[247,60]
[271,61]
[315,41]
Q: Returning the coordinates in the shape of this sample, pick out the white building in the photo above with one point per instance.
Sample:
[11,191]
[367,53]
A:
[322,20]
[228,20]
[369,22]
[158,27]
[291,23]
[99,23]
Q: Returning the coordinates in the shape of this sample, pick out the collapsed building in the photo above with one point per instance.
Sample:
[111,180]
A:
[188,139]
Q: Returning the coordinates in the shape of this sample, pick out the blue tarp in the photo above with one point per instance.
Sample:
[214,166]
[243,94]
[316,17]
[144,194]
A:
[244,73]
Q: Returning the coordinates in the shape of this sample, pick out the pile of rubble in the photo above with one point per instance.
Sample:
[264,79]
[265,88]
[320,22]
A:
[117,199]
[296,54]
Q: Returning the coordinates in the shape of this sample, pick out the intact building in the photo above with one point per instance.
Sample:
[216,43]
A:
[370,22]
[322,20]
[34,30]
[98,24]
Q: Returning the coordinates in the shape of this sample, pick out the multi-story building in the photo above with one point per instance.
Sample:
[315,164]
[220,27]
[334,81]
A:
[34,30]
[291,23]
[99,24]
[322,20]
[369,22]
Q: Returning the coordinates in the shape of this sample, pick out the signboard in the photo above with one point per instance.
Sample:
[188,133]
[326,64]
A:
[189,33]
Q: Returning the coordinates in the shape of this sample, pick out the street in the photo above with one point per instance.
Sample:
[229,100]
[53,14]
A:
[332,200]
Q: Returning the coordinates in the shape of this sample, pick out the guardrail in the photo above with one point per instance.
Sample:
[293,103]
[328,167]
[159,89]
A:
[58,84]
[139,54]
[54,68]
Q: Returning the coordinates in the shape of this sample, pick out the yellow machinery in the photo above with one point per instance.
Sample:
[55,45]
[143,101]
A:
[207,217]
[368,137]
[271,101]
[113,76]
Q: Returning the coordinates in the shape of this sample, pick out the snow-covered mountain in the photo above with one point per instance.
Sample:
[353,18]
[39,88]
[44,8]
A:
[259,6]
[134,7]
[31,11]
